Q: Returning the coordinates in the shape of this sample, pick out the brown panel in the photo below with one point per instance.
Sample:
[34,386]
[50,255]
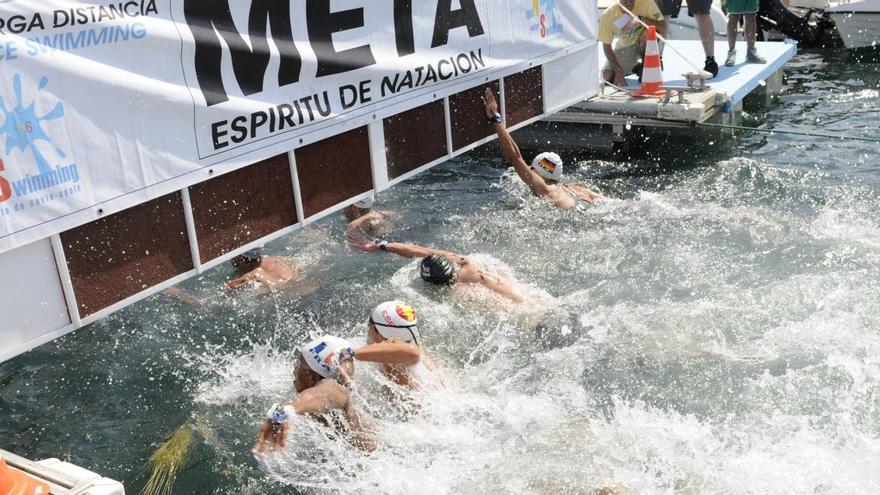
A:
[414,138]
[116,257]
[333,170]
[243,206]
[468,116]
[524,95]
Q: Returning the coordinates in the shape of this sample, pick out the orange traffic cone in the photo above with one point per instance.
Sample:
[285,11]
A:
[14,482]
[652,75]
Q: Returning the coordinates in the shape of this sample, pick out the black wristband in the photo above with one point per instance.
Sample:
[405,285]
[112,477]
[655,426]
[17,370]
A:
[496,119]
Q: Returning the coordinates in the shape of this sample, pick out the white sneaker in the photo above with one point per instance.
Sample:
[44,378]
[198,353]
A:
[731,58]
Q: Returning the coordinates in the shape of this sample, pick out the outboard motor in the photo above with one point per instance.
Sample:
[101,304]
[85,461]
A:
[813,29]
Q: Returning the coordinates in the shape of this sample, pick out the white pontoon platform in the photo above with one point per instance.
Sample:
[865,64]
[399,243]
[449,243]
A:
[62,478]
[681,107]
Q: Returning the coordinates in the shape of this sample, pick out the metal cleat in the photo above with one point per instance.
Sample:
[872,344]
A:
[697,77]
[678,91]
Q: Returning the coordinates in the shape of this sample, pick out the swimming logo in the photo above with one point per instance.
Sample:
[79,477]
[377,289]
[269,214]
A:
[326,360]
[23,128]
[406,312]
[548,165]
[544,18]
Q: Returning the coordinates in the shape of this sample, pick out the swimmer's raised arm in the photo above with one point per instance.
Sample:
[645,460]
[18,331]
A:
[510,148]
[362,241]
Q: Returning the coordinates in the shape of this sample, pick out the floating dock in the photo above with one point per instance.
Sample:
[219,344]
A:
[719,102]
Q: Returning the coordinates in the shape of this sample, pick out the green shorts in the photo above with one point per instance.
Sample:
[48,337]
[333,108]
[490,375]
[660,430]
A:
[741,6]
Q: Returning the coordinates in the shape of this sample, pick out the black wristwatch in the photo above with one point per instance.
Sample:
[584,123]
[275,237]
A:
[496,119]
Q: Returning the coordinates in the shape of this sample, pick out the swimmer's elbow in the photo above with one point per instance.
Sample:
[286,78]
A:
[406,353]
[412,356]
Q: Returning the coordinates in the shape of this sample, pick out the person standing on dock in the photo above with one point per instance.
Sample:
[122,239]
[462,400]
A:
[362,216]
[737,9]
[322,377]
[700,10]
[624,57]
[546,169]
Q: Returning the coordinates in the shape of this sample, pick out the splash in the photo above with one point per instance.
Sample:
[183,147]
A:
[23,127]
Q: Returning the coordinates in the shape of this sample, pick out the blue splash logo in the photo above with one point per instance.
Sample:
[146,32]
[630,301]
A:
[23,129]
[543,18]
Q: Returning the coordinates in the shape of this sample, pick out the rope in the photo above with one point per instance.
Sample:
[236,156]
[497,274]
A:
[870,139]
[630,91]
[661,38]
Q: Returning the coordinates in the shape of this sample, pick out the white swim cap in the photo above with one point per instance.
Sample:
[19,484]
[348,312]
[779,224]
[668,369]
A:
[366,203]
[396,320]
[322,355]
[548,165]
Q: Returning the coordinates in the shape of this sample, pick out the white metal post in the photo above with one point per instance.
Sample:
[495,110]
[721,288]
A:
[447,114]
[191,230]
[66,282]
[297,193]
[378,160]
[502,103]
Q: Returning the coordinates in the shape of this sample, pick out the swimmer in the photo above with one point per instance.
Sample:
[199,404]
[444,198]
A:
[445,268]
[322,377]
[362,216]
[546,169]
[268,272]
[263,272]
[393,342]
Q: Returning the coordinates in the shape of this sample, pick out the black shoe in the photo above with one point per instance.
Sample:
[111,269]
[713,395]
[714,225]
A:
[711,66]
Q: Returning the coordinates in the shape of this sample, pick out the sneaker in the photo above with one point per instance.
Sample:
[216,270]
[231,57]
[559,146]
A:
[752,57]
[711,66]
[731,58]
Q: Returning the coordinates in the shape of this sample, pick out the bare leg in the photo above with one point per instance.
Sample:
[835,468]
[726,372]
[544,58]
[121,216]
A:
[707,33]
[732,25]
[751,30]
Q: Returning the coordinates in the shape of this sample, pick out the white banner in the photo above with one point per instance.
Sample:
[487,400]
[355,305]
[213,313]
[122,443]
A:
[104,105]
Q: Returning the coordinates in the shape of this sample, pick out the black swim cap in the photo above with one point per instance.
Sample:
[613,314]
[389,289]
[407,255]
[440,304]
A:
[254,255]
[438,270]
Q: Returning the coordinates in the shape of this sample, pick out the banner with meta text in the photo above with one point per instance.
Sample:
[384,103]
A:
[119,102]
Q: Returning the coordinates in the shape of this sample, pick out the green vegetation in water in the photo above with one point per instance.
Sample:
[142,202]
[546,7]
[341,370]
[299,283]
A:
[167,461]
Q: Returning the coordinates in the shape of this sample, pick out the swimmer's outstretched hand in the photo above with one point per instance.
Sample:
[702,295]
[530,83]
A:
[362,241]
[489,103]
[273,436]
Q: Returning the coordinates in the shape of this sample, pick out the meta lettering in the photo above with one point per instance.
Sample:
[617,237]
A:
[212,26]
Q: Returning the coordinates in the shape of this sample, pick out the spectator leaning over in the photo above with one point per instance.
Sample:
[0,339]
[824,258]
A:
[623,58]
